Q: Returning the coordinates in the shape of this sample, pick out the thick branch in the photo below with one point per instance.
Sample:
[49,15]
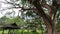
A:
[53,10]
[41,12]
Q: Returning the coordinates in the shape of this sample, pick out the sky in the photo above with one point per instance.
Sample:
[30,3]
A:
[3,6]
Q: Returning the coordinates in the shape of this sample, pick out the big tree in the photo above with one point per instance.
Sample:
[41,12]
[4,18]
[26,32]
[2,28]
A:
[39,6]
[49,18]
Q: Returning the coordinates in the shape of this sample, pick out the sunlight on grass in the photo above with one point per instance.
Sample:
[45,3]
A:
[0,32]
[24,31]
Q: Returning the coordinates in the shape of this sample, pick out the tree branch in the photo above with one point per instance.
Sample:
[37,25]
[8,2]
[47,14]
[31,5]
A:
[41,12]
[53,10]
[58,6]
[18,6]
[22,8]
[10,3]
[44,4]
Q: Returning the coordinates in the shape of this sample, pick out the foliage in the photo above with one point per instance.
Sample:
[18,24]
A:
[16,20]
[28,17]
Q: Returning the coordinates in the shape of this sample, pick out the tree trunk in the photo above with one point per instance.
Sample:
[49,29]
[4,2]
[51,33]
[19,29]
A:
[51,29]
[47,18]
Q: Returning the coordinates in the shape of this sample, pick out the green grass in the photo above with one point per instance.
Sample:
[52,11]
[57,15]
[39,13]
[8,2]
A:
[0,32]
[5,32]
[23,32]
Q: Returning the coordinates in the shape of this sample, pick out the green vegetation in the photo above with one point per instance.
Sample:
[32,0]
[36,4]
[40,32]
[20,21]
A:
[23,32]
